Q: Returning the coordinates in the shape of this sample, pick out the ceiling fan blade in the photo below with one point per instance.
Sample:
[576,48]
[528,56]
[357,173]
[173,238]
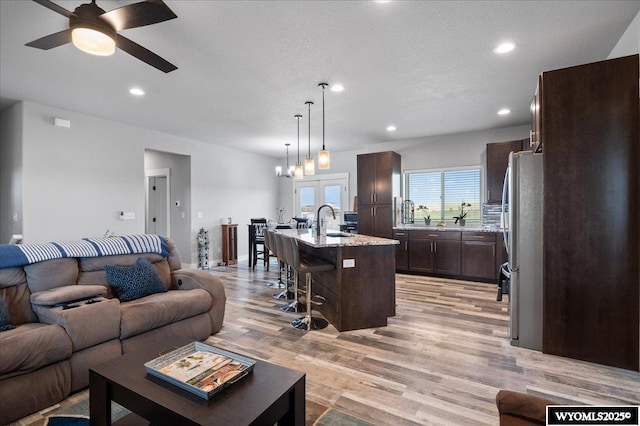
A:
[145,55]
[51,5]
[139,14]
[52,40]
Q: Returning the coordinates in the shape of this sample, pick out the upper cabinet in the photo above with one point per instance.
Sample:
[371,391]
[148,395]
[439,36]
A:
[378,184]
[497,161]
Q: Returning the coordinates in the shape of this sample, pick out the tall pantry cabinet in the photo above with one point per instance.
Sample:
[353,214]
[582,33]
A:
[378,186]
[588,128]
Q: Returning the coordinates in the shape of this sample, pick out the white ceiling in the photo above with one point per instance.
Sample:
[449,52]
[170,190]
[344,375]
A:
[247,67]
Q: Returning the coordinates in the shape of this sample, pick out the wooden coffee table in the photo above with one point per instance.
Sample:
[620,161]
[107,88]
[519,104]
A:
[270,394]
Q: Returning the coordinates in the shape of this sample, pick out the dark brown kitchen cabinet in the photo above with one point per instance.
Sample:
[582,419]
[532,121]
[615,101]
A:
[497,161]
[402,250]
[378,185]
[435,252]
[479,255]
[589,135]
[376,220]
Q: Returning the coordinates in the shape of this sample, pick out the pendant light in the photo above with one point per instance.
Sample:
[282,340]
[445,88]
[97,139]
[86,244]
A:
[324,160]
[289,171]
[298,172]
[309,163]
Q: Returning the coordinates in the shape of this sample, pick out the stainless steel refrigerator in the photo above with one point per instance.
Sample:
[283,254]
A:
[522,210]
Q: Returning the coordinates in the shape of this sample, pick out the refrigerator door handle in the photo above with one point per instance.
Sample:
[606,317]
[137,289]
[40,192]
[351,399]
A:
[505,224]
[514,311]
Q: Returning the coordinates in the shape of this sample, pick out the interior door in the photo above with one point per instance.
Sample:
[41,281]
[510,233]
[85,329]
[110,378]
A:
[157,201]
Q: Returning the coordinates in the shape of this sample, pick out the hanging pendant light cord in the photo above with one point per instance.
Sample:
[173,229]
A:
[323,87]
[298,119]
[309,103]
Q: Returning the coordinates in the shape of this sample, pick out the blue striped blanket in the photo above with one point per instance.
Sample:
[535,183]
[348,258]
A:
[24,254]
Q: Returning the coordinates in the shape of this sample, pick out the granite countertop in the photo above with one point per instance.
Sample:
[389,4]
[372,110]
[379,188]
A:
[336,239]
[417,227]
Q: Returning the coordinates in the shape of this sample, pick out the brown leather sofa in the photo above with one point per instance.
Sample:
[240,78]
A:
[520,409]
[48,354]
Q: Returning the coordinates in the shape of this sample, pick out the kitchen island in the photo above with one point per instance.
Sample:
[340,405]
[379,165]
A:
[361,291]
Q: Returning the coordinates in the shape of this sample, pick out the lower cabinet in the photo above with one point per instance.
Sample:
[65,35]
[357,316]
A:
[467,254]
[402,250]
[434,251]
[479,255]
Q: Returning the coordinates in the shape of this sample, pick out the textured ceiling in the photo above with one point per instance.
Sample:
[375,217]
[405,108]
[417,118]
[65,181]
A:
[247,67]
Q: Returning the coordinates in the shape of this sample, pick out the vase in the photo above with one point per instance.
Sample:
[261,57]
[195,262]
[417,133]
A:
[427,222]
[462,222]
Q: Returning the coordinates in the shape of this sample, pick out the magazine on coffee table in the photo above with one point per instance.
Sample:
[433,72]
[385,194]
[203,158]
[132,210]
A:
[201,369]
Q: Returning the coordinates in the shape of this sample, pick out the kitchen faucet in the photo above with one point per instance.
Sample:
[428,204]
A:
[320,221]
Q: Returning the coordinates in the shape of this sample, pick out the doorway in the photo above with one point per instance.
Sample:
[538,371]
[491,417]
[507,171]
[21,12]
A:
[158,211]
[314,191]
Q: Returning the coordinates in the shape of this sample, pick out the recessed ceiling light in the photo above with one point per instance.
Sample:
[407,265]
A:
[504,111]
[391,128]
[337,88]
[136,91]
[504,48]
[381,1]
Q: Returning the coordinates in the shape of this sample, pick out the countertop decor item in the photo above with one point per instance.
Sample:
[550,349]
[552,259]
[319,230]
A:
[462,215]
[427,218]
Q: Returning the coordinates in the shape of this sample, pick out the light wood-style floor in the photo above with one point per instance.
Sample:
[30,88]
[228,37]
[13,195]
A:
[441,360]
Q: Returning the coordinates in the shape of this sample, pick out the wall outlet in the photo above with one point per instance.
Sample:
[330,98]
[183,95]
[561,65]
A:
[348,263]
[127,215]
[199,215]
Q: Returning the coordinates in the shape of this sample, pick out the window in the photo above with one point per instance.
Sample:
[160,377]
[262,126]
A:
[443,192]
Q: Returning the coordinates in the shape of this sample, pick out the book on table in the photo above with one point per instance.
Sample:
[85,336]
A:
[201,369]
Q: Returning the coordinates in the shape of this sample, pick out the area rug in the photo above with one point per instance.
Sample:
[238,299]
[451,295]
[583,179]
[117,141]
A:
[78,415]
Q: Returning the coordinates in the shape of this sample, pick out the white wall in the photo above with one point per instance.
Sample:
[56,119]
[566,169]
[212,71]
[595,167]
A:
[10,172]
[629,43]
[77,180]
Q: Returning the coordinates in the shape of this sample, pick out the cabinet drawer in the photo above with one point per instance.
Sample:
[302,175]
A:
[479,236]
[401,235]
[434,235]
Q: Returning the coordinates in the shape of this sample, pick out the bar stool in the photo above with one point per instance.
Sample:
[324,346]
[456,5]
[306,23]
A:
[305,264]
[258,240]
[270,245]
[285,294]
[294,306]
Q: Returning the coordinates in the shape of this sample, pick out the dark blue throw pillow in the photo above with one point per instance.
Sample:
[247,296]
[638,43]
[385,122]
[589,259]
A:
[5,322]
[135,281]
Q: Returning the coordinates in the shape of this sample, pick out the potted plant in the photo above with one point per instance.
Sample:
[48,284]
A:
[462,215]
[427,219]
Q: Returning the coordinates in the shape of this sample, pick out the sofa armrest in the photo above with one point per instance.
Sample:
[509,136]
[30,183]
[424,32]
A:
[516,408]
[189,279]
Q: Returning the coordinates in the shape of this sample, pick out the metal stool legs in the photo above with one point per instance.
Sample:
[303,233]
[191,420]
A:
[308,322]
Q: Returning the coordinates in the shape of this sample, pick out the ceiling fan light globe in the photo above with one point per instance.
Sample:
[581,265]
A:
[93,41]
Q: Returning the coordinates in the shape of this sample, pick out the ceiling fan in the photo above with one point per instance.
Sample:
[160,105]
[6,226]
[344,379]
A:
[95,31]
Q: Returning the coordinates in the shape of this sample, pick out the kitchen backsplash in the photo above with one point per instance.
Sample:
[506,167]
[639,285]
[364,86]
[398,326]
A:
[491,215]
